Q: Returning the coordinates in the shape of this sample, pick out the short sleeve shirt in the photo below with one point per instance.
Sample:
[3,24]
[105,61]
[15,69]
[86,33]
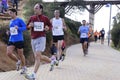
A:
[84,31]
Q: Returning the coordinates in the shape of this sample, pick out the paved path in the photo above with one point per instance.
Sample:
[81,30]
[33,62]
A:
[102,63]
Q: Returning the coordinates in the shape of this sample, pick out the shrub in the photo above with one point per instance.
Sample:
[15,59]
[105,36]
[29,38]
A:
[27,41]
[115,32]
[27,44]
[3,36]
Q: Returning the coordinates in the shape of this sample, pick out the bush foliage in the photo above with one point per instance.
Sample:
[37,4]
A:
[4,37]
[115,32]
[49,11]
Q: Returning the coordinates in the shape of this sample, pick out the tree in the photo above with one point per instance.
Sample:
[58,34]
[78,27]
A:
[116,31]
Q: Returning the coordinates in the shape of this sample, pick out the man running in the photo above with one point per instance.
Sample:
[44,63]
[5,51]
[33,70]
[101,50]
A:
[16,41]
[83,31]
[58,27]
[38,24]
[102,32]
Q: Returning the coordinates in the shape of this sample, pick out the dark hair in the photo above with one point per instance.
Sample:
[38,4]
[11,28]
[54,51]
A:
[13,10]
[40,5]
[83,20]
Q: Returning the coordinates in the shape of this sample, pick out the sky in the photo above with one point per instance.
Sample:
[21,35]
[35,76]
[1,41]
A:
[101,17]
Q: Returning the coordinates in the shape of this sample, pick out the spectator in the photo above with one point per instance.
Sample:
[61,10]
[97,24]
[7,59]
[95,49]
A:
[15,3]
[4,6]
[0,7]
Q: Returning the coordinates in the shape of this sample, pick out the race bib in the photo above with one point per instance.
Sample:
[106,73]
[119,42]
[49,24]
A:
[103,32]
[38,26]
[57,28]
[13,31]
[83,35]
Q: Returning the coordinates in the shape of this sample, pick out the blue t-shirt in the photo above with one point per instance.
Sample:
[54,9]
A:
[17,35]
[84,31]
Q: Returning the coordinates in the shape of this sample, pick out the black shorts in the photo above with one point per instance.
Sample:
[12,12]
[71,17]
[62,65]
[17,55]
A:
[102,36]
[19,44]
[82,40]
[56,38]
[63,48]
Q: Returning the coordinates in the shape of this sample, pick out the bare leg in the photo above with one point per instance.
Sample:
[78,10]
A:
[21,56]
[37,61]
[59,48]
[57,55]
[45,58]
[85,45]
[10,54]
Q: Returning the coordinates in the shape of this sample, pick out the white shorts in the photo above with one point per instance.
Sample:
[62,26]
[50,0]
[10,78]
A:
[38,44]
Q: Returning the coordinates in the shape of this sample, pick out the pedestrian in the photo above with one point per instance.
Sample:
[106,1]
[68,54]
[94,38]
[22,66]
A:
[90,33]
[83,31]
[1,7]
[102,32]
[38,25]
[16,41]
[4,6]
[15,4]
[58,27]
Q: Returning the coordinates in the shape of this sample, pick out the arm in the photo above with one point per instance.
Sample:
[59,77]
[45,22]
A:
[30,23]
[51,21]
[48,26]
[64,25]
[78,31]
[22,25]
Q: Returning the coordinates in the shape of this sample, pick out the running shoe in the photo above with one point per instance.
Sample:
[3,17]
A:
[18,65]
[24,70]
[30,76]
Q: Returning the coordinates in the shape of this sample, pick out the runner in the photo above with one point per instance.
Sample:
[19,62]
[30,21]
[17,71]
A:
[38,24]
[90,34]
[83,31]
[58,32]
[96,35]
[16,41]
[99,36]
[15,4]
[102,35]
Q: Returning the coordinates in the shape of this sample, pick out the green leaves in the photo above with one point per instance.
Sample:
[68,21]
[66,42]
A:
[115,32]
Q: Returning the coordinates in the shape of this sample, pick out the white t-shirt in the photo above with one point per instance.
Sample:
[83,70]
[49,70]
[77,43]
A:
[57,27]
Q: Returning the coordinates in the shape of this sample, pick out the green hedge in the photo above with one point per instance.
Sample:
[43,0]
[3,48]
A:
[27,41]
[115,32]
[116,35]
